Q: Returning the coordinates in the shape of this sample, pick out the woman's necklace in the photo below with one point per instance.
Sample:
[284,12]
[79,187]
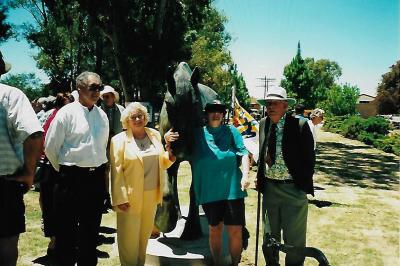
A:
[143,143]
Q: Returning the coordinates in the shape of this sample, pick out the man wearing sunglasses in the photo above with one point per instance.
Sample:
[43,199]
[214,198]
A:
[76,147]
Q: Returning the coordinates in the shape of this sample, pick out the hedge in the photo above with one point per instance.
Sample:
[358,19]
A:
[372,131]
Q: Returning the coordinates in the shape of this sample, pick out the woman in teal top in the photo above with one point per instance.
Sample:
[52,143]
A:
[219,184]
[216,173]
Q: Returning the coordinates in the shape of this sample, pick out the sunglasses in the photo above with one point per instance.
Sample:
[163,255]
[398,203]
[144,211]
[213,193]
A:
[96,87]
[134,117]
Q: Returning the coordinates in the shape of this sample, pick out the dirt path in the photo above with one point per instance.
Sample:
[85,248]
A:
[361,227]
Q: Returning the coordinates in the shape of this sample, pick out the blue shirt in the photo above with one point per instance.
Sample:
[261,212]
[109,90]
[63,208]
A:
[216,173]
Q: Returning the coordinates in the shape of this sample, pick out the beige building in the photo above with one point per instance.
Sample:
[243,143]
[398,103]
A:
[366,105]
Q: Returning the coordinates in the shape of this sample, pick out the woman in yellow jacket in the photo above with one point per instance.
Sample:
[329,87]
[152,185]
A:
[138,163]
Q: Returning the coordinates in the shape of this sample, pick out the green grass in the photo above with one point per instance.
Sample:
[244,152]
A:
[361,227]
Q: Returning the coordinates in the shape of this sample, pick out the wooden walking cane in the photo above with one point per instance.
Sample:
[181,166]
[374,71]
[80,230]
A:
[258,223]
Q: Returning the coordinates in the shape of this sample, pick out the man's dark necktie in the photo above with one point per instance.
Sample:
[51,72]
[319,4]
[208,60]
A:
[271,146]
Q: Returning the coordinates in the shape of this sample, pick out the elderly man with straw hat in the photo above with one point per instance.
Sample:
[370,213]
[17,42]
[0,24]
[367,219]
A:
[110,98]
[285,171]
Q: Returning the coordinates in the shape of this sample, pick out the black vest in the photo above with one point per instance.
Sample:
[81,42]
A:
[297,149]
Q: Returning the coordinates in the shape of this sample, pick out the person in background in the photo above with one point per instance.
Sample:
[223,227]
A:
[218,182]
[75,95]
[110,106]
[316,118]
[48,106]
[113,110]
[76,145]
[37,107]
[20,147]
[40,102]
[49,175]
[285,172]
[299,111]
[138,163]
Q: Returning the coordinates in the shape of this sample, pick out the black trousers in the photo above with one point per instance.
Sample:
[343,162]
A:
[12,208]
[78,202]
[47,201]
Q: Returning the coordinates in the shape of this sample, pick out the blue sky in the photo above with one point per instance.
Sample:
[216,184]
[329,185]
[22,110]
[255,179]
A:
[362,36]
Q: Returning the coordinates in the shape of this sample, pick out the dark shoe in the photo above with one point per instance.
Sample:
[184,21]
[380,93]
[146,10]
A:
[245,238]
[51,252]
[101,239]
[102,254]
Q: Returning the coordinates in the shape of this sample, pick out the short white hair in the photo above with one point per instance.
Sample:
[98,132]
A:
[82,79]
[317,113]
[133,107]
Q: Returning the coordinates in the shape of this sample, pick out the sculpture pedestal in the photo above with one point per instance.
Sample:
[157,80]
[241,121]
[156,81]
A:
[169,249]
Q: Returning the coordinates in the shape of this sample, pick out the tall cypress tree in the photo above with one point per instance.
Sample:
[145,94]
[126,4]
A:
[298,80]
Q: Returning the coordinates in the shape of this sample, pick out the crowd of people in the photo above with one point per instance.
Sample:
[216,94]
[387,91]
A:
[83,146]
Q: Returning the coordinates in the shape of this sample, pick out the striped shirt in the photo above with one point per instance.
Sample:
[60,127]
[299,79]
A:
[17,122]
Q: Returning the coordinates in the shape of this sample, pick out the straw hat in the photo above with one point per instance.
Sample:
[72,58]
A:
[109,89]
[276,93]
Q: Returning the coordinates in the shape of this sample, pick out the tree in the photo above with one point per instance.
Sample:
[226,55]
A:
[129,43]
[325,73]
[210,52]
[242,94]
[388,97]
[27,82]
[67,41]
[5,28]
[132,49]
[298,80]
[341,100]
[145,37]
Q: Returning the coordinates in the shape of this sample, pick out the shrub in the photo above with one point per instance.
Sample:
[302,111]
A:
[389,144]
[377,125]
[371,131]
[352,127]
[334,123]
[341,100]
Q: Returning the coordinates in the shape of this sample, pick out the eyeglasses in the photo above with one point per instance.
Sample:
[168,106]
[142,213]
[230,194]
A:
[273,102]
[134,117]
[106,96]
[95,87]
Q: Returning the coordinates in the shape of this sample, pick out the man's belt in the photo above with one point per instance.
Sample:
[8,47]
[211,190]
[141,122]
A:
[280,181]
[74,167]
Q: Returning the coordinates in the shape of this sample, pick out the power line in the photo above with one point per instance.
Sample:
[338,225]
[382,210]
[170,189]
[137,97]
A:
[266,84]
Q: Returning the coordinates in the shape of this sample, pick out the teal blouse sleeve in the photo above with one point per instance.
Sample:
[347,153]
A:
[238,143]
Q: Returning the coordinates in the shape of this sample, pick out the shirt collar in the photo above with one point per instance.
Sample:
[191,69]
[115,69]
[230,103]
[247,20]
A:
[86,110]
[281,122]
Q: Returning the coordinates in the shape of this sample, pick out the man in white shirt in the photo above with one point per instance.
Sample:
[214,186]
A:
[76,147]
[316,118]
[20,147]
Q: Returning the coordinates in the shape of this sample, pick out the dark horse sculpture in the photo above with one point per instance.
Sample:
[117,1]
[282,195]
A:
[182,110]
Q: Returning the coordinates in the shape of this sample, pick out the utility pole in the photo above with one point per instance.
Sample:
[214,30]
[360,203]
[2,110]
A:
[266,84]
